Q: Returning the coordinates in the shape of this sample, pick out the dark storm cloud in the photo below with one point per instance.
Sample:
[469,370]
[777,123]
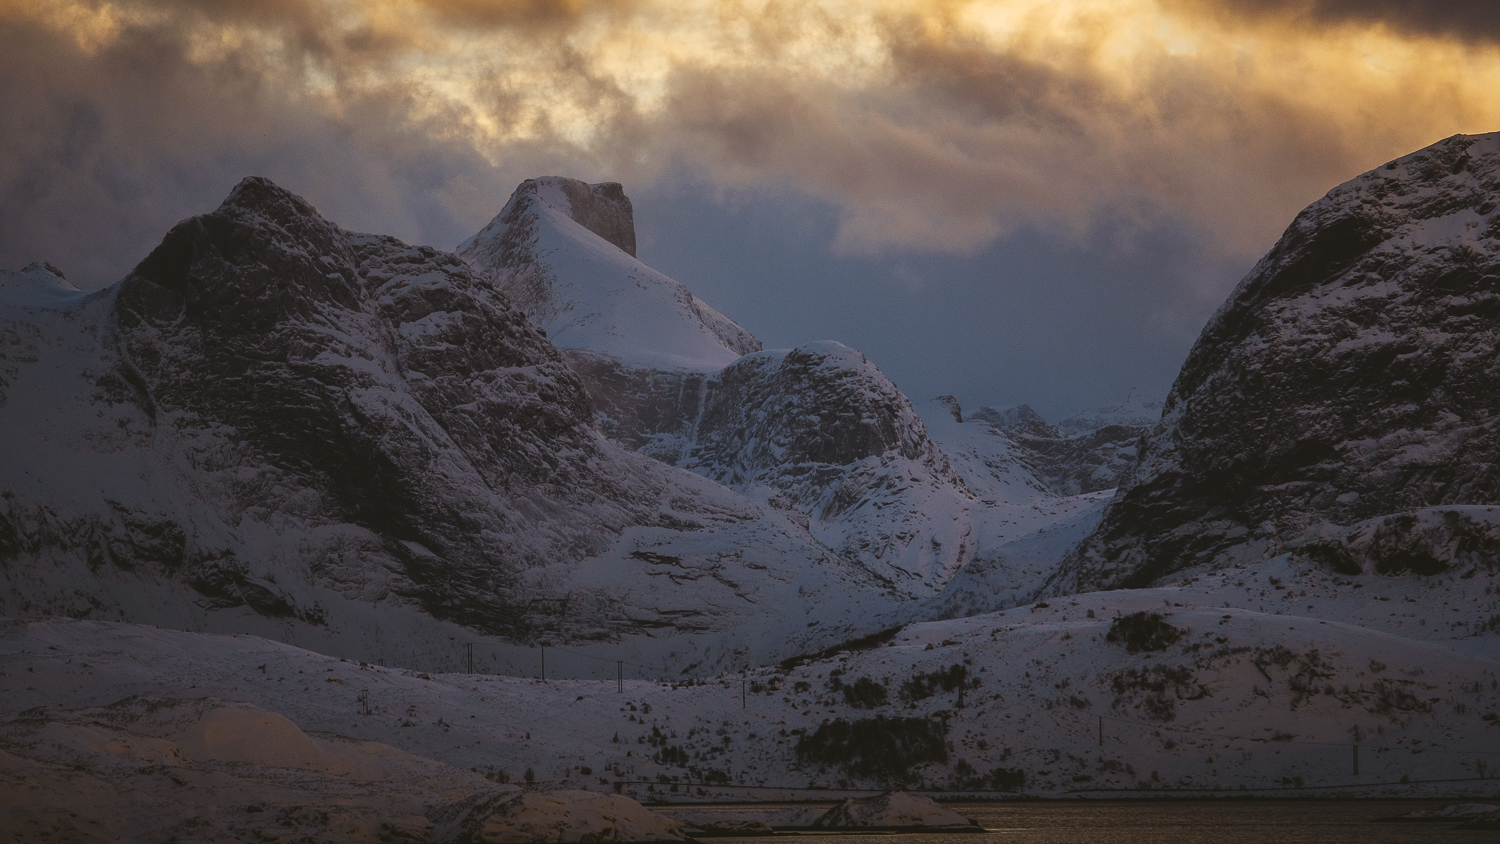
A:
[1471,20]
[113,146]
[507,13]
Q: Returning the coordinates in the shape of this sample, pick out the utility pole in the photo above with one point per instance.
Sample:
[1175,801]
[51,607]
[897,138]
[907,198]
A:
[620,675]
[544,662]
[743,705]
[1356,759]
[469,647]
[1101,730]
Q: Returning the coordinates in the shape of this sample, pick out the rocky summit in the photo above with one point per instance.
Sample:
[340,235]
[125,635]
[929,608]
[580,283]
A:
[1352,375]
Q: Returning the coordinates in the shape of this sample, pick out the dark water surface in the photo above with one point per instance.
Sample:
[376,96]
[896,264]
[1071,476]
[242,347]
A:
[1176,822]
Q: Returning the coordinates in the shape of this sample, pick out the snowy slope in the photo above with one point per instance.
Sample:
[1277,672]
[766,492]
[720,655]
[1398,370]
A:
[278,426]
[564,252]
[1222,697]
[1351,375]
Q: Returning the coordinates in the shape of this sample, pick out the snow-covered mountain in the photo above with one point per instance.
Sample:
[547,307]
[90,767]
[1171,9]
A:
[818,430]
[1136,411]
[279,426]
[564,253]
[1351,376]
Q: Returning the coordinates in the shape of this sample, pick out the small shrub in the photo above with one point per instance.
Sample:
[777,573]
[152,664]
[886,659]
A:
[1008,779]
[925,685]
[877,748]
[862,643]
[864,693]
[1144,631]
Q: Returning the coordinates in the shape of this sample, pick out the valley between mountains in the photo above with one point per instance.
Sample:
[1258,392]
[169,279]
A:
[312,532]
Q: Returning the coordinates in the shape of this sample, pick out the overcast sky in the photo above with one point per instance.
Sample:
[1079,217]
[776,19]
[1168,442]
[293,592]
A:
[1014,201]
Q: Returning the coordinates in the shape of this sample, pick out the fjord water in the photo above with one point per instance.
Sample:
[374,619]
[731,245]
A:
[1181,822]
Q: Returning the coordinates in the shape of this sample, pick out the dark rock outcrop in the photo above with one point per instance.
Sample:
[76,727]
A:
[1423,542]
[1352,374]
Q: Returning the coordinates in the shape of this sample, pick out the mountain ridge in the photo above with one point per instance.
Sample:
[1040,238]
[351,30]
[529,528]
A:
[1350,376]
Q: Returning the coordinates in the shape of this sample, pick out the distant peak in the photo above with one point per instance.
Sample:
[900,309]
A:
[44,267]
[602,208]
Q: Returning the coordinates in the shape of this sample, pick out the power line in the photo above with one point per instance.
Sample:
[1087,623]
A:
[575,653]
[1411,782]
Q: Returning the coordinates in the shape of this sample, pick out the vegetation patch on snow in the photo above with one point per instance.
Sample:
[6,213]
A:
[1144,631]
[878,748]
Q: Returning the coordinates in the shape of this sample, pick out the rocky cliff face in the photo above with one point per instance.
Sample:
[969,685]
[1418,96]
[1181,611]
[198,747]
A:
[276,416]
[1351,375]
[825,433]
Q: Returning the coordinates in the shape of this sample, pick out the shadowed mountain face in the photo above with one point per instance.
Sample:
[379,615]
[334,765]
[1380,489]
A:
[400,394]
[1352,374]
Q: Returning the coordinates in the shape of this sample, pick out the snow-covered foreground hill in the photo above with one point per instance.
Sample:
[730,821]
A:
[1132,691]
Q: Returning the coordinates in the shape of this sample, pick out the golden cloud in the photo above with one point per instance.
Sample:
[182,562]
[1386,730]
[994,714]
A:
[932,125]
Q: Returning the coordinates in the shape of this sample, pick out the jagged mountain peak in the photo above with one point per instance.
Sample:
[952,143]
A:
[1351,375]
[38,284]
[1430,200]
[259,193]
[263,255]
[602,208]
[563,251]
